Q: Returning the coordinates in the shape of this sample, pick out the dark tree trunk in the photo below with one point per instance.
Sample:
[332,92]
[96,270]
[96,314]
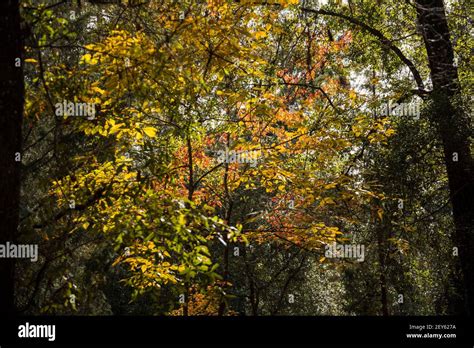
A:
[454,128]
[11,113]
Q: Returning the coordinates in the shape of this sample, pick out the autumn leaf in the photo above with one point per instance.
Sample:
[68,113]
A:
[150,131]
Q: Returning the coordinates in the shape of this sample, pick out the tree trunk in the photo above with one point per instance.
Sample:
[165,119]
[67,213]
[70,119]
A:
[11,113]
[454,128]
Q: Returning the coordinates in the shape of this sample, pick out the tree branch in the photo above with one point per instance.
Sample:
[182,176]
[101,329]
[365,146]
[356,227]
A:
[381,37]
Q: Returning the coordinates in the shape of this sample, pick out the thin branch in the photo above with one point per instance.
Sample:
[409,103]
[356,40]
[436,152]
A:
[381,37]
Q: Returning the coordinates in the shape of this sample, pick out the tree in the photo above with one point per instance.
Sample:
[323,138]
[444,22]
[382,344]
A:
[11,115]
[230,144]
[455,130]
[448,115]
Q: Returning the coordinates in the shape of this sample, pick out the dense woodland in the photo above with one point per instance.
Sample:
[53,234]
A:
[198,157]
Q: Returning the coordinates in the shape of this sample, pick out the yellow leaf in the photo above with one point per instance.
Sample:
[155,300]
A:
[390,132]
[87,58]
[326,200]
[99,90]
[150,131]
[115,128]
[330,186]
[380,213]
[260,34]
